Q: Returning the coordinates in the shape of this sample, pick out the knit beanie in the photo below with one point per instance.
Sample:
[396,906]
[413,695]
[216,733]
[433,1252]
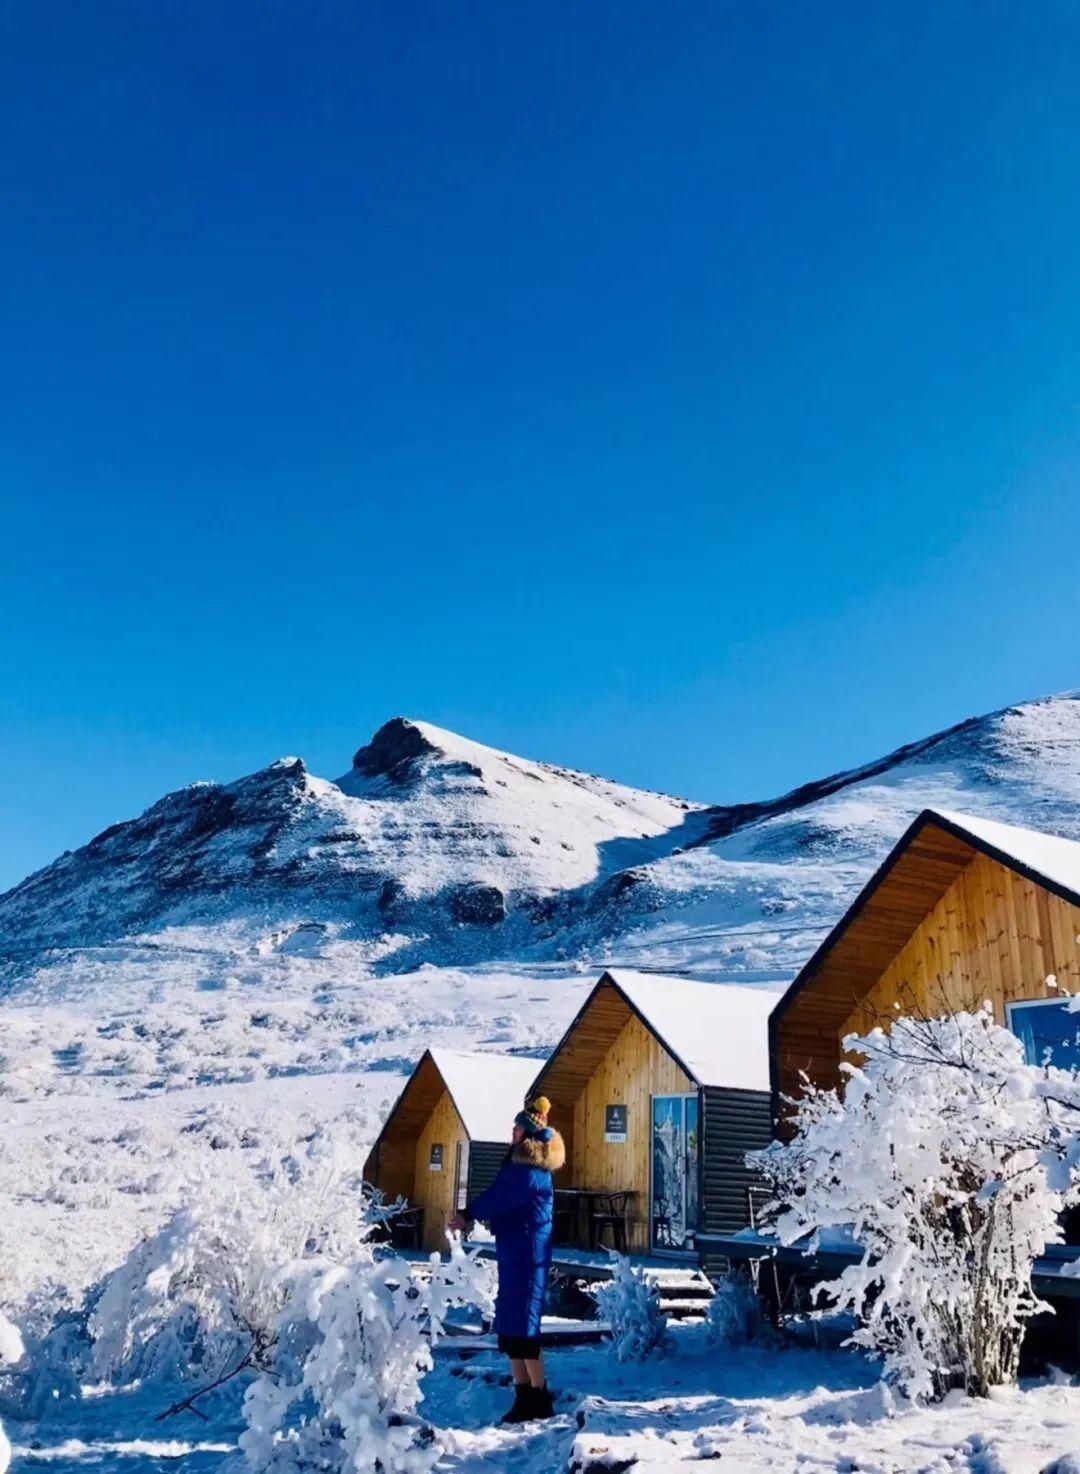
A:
[533,1119]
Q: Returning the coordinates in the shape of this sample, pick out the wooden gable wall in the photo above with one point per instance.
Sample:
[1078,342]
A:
[993,936]
[574,1063]
[391,1163]
[434,1191]
[989,934]
[635,1067]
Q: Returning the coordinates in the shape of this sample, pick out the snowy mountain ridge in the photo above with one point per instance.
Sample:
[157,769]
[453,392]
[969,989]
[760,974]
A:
[433,848]
[425,831]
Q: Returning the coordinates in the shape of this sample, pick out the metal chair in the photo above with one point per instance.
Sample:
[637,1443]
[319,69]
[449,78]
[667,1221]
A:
[609,1213]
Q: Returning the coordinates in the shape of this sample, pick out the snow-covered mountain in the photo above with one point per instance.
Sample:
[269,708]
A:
[436,849]
[428,838]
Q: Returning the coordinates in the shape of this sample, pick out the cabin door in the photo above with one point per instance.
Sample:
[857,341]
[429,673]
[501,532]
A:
[674,1188]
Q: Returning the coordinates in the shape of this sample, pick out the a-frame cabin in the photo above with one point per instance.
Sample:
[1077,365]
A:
[660,1088]
[963,910]
[448,1133]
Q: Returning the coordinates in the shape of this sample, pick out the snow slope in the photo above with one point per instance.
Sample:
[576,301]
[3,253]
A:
[751,901]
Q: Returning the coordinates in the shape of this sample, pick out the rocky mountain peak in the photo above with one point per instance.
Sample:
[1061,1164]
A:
[394,750]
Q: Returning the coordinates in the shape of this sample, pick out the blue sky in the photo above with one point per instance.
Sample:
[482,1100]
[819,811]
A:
[686,393]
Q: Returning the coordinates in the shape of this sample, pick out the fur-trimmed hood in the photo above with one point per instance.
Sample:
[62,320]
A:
[547,1155]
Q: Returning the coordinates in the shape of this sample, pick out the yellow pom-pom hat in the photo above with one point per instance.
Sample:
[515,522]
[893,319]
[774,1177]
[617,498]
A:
[533,1119]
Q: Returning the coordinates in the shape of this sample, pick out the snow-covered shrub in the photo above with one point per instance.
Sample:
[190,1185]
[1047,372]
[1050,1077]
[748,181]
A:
[11,1351]
[354,1341]
[948,1160]
[630,1303]
[204,1293]
[187,1300]
[735,1315]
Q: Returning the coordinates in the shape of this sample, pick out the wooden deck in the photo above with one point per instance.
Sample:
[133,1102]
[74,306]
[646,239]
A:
[1051,1275]
[685,1289]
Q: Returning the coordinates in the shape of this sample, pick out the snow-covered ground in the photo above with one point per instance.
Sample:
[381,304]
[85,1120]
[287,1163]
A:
[117,1090]
[757,1410]
[225,1067]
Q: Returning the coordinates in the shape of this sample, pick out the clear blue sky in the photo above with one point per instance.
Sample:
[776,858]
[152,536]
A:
[684,392]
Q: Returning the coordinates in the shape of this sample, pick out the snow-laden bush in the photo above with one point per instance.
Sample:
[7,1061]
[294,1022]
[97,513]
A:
[735,1315]
[203,1294]
[354,1341]
[630,1303]
[11,1351]
[948,1160]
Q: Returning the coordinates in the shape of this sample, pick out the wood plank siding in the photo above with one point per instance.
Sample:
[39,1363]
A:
[434,1191]
[575,1061]
[943,926]
[993,936]
[635,1067]
[391,1165]
[400,1161]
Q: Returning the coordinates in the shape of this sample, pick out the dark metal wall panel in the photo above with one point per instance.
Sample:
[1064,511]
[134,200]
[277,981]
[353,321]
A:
[734,1122]
[485,1159]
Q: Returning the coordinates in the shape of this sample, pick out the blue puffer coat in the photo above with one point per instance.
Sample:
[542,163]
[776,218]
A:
[519,1209]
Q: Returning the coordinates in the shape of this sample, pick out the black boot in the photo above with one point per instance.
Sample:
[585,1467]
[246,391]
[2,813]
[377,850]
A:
[519,1412]
[541,1403]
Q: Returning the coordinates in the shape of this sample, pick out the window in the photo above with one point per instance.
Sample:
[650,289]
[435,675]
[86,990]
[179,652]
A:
[1048,1031]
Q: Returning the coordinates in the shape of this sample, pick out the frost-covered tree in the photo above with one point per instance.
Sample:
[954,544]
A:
[948,1159]
[630,1303]
[200,1298]
[353,1343]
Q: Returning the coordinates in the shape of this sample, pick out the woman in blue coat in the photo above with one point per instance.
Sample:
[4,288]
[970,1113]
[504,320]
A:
[518,1208]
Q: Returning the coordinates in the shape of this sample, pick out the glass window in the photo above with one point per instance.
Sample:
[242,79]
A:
[674,1171]
[1048,1031]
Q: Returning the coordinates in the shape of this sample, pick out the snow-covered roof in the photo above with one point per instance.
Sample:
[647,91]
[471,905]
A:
[487,1089]
[717,1031]
[1055,860]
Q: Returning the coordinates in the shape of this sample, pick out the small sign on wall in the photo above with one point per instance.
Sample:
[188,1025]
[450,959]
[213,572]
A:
[615,1123]
[435,1164]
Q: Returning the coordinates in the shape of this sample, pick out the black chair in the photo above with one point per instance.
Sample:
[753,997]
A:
[407,1229]
[609,1214]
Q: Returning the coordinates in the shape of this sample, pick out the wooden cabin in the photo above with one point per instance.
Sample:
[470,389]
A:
[659,1087]
[963,910]
[448,1133]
